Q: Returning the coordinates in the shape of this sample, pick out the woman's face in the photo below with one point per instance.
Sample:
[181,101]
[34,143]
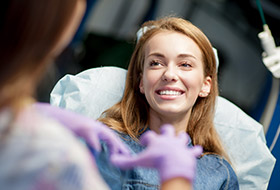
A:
[173,75]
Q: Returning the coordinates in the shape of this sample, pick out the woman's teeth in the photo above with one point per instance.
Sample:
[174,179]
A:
[170,92]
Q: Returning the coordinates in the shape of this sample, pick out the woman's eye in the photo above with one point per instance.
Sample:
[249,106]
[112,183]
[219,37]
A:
[186,65]
[155,63]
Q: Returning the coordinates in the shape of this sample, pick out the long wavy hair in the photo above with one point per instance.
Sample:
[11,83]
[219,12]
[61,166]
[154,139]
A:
[131,114]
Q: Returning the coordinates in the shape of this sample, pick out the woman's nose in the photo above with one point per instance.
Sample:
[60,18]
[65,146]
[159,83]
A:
[170,74]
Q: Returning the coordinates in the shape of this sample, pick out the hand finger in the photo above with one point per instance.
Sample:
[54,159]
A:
[94,142]
[167,129]
[121,161]
[147,137]
[197,150]
[183,137]
[127,162]
[120,147]
[115,145]
[112,140]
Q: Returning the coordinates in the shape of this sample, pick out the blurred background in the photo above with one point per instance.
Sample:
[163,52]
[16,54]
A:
[107,34]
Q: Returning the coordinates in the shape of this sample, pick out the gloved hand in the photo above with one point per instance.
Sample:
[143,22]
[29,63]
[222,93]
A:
[167,153]
[92,131]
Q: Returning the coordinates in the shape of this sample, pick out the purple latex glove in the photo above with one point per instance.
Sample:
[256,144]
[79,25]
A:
[167,153]
[92,131]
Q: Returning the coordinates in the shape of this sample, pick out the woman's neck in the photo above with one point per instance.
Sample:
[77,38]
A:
[180,121]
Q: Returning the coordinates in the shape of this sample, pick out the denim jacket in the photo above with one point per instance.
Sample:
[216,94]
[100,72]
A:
[213,172]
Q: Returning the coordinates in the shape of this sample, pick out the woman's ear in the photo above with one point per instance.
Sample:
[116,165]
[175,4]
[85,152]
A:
[206,87]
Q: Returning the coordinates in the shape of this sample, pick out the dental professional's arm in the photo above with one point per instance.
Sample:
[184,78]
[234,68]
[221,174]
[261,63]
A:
[169,154]
[90,130]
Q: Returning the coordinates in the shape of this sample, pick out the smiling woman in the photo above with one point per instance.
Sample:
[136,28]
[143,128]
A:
[171,79]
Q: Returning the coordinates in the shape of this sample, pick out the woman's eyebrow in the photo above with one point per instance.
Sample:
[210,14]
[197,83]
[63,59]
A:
[156,54]
[183,55]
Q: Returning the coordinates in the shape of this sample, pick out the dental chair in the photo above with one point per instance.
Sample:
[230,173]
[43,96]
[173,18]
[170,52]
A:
[94,90]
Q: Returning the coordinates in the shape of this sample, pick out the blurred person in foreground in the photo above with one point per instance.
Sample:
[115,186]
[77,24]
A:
[41,146]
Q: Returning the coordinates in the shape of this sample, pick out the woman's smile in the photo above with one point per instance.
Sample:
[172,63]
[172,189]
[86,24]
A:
[169,93]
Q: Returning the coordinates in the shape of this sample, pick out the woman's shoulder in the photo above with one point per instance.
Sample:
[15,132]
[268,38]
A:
[215,161]
[215,170]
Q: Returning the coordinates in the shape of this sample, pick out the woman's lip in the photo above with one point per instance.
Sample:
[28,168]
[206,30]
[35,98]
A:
[169,97]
